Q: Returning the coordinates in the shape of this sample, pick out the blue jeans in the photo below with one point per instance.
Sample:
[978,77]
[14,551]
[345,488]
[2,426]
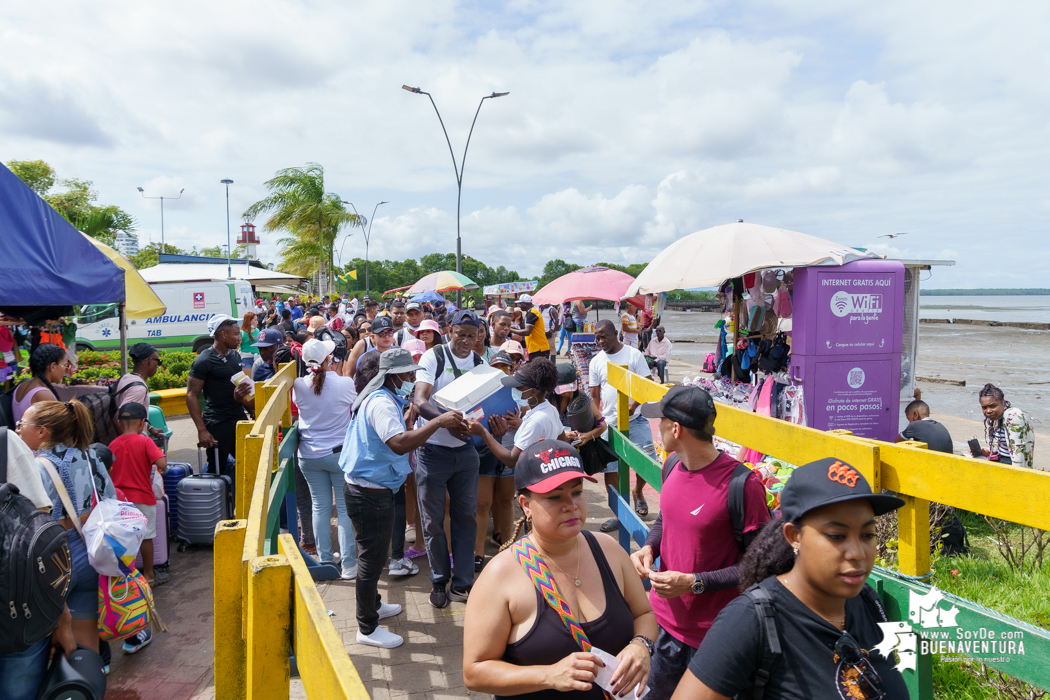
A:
[670,660]
[642,435]
[324,475]
[83,591]
[563,335]
[22,672]
[661,369]
[455,470]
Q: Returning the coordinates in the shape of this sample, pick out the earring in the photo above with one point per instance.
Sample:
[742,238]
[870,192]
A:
[795,549]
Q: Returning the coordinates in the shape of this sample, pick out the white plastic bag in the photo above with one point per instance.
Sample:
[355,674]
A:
[113,534]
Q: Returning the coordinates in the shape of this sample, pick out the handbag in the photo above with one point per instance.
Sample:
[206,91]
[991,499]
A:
[125,607]
[536,569]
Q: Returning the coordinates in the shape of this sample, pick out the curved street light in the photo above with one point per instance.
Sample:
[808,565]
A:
[367,234]
[229,266]
[143,193]
[457,168]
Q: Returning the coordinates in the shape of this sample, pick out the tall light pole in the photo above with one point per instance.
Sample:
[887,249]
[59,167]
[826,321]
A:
[367,235]
[143,193]
[457,168]
[229,266]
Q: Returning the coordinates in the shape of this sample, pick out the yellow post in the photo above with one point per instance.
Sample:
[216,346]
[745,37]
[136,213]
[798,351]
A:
[251,450]
[623,424]
[269,628]
[244,428]
[913,536]
[230,669]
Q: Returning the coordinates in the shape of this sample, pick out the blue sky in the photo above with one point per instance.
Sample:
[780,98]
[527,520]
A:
[628,124]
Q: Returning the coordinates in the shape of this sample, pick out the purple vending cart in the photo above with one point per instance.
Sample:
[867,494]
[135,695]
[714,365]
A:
[846,345]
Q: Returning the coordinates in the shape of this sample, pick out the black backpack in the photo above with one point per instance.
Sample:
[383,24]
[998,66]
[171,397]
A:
[735,501]
[952,536]
[771,647]
[773,354]
[341,347]
[103,408]
[35,574]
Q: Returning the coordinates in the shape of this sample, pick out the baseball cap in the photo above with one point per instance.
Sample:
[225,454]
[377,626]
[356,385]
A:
[415,346]
[828,481]
[512,347]
[315,351]
[217,320]
[690,406]
[465,317]
[382,323]
[501,358]
[413,306]
[132,410]
[566,379]
[141,351]
[269,337]
[545,465]
[524,299]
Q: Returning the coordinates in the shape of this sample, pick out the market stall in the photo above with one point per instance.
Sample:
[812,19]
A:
[496,293]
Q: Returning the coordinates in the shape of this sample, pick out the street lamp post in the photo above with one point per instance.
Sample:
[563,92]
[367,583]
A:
[229,266]
[143,193]
[367,234]
[457,168]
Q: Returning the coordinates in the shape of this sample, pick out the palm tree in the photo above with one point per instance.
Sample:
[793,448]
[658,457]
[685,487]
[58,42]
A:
[298,204]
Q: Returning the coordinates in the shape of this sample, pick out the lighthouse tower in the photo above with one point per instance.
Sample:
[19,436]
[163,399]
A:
[249,238]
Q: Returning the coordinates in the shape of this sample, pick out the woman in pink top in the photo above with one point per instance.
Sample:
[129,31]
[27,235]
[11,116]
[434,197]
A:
[48,365]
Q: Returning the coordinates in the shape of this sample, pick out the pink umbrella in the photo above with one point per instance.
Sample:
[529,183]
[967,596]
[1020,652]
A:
[593,282]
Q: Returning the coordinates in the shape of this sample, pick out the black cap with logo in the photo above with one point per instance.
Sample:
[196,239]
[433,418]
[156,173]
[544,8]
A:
[382,323]
[689,406]
[828,481]
[545,465]
[132,410]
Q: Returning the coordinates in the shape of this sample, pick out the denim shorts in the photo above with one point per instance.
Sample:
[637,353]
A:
[83,594]
[492,466]
[642,435]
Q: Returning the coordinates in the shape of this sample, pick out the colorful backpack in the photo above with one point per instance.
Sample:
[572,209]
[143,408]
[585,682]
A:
[709,363]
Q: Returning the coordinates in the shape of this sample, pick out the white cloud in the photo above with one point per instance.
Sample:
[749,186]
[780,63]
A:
[627,124]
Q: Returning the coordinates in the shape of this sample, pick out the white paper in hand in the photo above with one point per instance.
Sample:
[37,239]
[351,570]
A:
[604,676]
[241,378]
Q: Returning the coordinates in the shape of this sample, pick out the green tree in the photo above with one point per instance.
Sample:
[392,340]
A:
[298,204]
[36,173]
[147,256]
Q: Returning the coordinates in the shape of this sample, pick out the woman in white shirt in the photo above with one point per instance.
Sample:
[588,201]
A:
[536,380]
[324,399]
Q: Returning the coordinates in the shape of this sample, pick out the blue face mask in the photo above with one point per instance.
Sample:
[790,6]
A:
[406,388]
[516,395]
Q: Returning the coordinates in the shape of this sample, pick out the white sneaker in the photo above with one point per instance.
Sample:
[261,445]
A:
[380,638]
[388,610]
[336,557]
[403,567]
[349,574]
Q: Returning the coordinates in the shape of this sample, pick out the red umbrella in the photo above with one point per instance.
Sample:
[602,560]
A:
[593,282]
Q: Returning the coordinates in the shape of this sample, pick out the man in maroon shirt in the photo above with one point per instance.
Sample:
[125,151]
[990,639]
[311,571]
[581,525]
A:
[694,535]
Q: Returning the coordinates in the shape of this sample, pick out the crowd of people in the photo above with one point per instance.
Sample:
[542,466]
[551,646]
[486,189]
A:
[559,608]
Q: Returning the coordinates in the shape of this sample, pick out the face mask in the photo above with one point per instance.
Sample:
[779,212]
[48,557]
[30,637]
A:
[516,394]
[405,390]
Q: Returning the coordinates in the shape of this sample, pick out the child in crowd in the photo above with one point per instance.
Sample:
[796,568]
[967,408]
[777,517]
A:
[134,455]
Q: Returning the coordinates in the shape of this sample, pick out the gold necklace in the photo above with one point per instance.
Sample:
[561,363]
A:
[840,622]
[579,558]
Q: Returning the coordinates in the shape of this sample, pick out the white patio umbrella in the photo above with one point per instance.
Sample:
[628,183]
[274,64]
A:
[707,258]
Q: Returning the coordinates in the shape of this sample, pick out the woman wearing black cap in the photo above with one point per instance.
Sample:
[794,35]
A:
[515,641]
[813,564]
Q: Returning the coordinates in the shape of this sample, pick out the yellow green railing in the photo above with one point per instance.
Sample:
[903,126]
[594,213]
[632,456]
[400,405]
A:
[267,609]
[916,474]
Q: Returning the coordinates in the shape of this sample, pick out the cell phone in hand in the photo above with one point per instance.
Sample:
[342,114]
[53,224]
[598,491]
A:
[577,443]
[975,447]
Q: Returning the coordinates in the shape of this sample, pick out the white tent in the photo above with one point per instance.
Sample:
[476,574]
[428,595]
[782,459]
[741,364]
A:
[707,258]
[191,272]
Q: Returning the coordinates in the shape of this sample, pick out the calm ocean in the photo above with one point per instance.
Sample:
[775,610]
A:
[1035,309]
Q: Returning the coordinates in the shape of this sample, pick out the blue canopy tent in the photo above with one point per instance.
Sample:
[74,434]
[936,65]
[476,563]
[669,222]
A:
[46,261]
[430,295]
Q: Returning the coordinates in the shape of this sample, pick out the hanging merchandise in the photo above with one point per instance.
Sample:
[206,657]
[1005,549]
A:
[782,301]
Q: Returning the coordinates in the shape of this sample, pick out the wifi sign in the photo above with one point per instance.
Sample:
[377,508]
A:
[841,303]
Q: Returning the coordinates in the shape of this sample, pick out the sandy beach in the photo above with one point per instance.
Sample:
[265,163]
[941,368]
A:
[1010,358]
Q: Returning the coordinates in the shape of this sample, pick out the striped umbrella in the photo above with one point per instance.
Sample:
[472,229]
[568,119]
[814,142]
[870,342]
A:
[444,281]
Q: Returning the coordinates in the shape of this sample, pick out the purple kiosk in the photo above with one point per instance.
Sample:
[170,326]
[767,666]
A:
[847,339]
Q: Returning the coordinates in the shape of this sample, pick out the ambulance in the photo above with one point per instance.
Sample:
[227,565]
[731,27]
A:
[184,324]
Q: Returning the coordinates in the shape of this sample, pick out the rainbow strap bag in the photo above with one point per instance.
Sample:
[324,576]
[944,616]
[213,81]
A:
[536,569]
[125,607]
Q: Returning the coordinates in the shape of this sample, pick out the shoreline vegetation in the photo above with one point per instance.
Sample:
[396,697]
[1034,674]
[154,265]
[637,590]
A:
[1032,292]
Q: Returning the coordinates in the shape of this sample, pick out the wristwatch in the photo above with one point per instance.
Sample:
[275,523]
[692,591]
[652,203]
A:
[698,584]
[646,642]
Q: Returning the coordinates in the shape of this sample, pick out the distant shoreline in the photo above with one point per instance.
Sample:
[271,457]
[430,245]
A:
[984,292]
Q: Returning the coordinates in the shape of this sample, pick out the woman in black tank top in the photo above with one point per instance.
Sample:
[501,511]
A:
[514,643]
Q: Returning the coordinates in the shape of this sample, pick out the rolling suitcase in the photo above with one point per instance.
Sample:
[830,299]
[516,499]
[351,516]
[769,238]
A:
[203,502]
[176,472]
[160,542]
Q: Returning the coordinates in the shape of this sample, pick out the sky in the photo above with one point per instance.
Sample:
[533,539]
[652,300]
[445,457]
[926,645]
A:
[628,124]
